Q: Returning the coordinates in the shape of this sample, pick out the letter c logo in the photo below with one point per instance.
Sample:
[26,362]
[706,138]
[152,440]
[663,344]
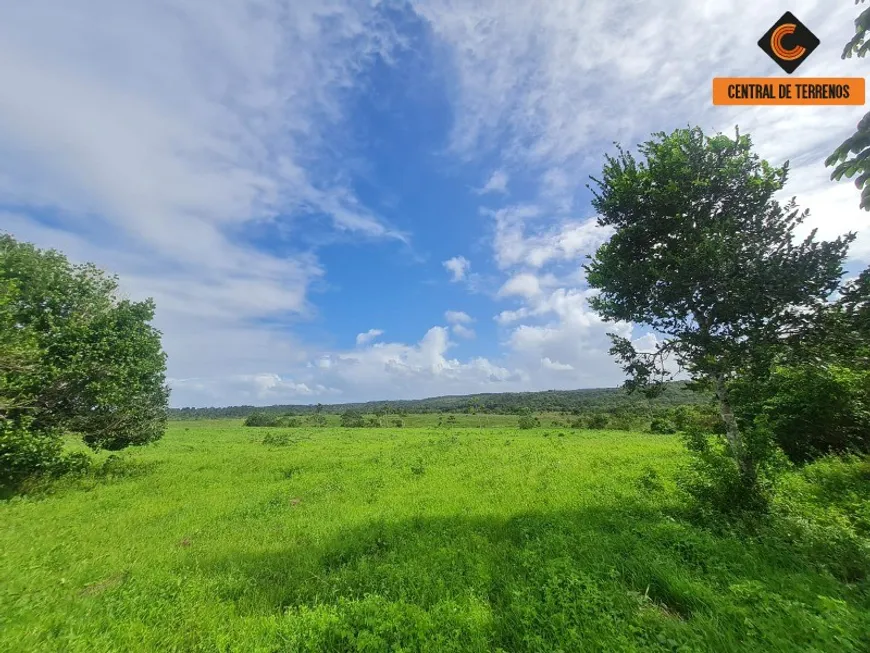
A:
[776,43]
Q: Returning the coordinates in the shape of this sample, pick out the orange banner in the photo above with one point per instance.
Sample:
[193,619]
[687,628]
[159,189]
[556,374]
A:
[788,91]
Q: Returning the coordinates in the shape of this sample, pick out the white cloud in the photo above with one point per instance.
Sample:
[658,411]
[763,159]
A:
[497,183]
[368,336]
[542,88]
[458,317]
[258,389]
[463,331]
[556,366]
[155,137]
[458,266]
[542,91]
[395,370]
[524,285]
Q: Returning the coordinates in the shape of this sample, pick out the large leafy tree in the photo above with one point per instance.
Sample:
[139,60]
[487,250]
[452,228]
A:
[703,255]
[89,361]
[852,157]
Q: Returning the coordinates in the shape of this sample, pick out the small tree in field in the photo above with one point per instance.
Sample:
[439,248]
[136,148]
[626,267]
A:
[74,357]
[703,254]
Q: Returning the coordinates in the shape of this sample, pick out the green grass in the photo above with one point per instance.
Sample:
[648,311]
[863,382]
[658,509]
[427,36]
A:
[415,539]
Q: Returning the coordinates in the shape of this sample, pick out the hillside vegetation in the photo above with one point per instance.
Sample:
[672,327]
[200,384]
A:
[502,403]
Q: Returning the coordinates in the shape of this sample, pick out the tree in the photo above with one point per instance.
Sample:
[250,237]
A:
[317,419]
[703,255]
[853,155]
[17,352]
[380,411]
[84,360]
[352,419]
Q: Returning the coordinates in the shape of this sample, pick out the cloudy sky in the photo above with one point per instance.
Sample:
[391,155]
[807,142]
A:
[333,200]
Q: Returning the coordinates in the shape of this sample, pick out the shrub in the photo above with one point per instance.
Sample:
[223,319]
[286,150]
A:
[598,421]
[714,482]
[261,419]
[351,419]
[25,452]
[528,422]
[813,410]
[317,420]
[649,481]
[825,510]
[74,463]
[277,439]
[662,426]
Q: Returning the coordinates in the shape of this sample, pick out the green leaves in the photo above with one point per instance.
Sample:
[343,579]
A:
[859,142]
[702,253]
[75,357]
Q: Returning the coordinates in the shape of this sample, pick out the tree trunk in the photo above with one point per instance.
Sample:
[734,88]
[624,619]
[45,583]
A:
[732,431]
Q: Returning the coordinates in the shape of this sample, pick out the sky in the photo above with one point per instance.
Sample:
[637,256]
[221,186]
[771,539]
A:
[336,201]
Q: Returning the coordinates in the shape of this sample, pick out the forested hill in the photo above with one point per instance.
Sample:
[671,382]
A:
[498,403]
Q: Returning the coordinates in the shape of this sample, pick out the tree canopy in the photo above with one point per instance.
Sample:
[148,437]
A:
[76,357]
[702,254]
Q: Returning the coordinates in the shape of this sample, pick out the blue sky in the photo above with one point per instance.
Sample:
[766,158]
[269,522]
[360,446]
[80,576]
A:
[338,201]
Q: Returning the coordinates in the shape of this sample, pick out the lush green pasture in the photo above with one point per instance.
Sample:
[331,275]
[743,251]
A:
[415,539]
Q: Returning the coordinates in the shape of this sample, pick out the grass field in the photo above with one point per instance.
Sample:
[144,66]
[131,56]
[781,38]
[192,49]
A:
[418,539]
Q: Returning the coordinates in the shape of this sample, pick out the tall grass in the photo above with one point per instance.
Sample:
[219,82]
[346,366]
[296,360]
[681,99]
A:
[225,538]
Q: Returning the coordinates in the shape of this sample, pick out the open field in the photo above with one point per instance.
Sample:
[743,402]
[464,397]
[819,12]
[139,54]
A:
[414,539]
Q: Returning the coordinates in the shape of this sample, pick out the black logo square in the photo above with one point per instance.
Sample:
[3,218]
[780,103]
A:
[789,42]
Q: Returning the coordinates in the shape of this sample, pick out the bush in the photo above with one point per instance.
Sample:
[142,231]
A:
[704,418]
[814,410]
[351,419]
[825,510]
[74,463]
[25,453]
[598,421]
[261,419]
[714,482]
[277,439]
[662,426]
[528,422]
[317,420]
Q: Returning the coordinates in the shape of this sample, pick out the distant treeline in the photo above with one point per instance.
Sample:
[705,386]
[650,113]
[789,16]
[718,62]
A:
[611,400]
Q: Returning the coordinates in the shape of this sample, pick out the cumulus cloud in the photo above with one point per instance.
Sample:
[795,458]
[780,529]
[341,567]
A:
[524,285]
[463,331]
[398,370]
[556,366]
[458,317]
[368,336]
[458,266]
